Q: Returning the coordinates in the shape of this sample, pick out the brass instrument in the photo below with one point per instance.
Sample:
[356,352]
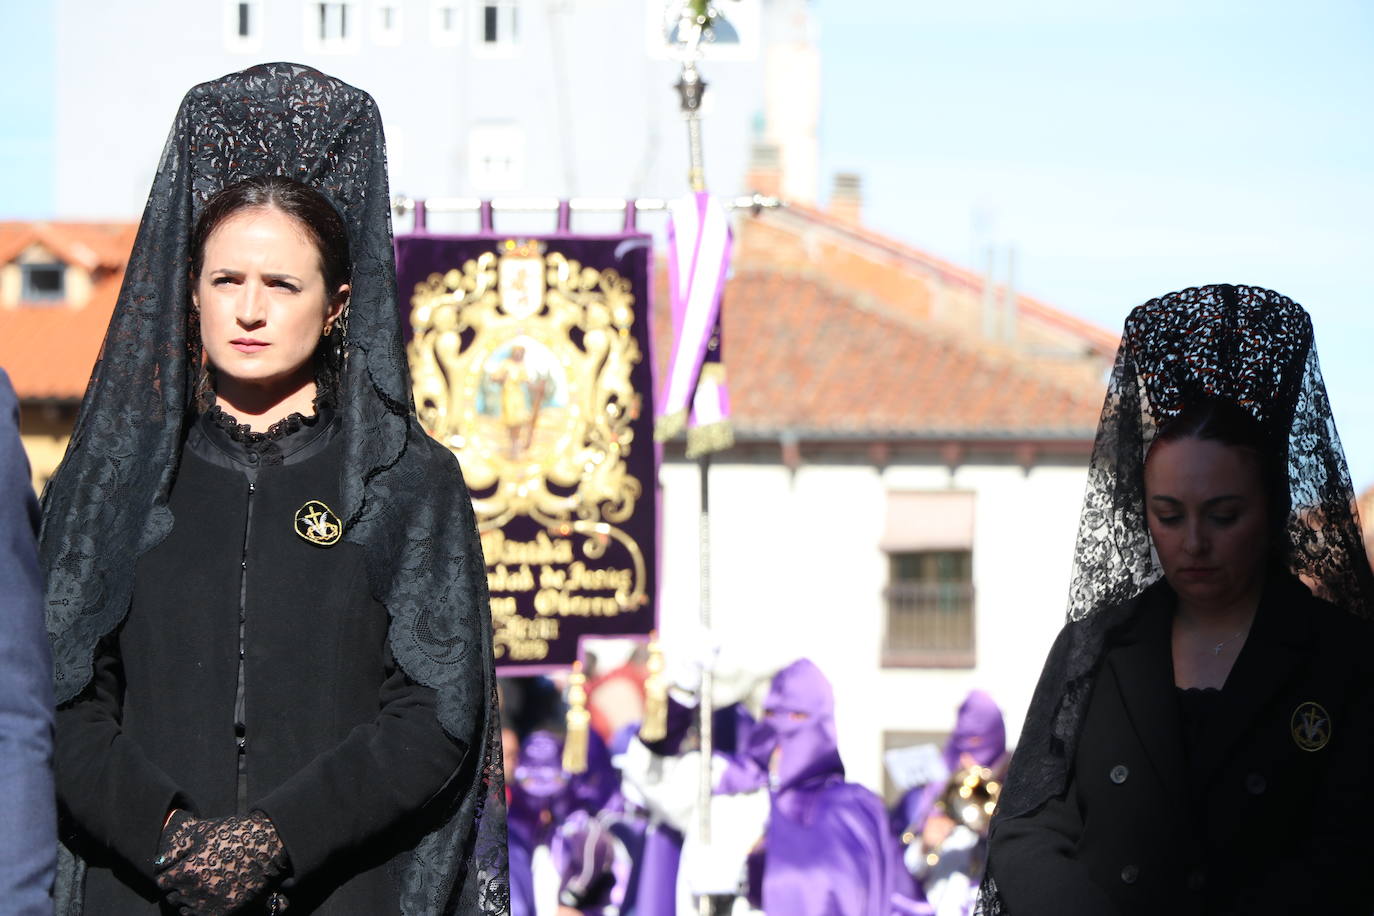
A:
[969,799]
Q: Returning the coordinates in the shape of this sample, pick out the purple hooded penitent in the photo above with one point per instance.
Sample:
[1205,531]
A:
[538,797]
[550,807]
[978,732]
[827,850]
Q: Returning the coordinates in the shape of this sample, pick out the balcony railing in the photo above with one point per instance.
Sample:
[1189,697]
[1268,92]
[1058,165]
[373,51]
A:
[929,624]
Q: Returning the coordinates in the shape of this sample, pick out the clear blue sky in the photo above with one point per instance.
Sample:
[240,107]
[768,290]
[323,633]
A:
[1125,150]
[26,99]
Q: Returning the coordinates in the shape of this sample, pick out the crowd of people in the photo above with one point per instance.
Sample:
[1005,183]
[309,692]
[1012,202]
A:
[247,476]
[789,833]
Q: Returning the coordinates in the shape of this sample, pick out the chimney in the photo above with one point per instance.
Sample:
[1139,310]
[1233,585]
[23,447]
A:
[765,169]
[1010,310]
[846,199]
[989,299]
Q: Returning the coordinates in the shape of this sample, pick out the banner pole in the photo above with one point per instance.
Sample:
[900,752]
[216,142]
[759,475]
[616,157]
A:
[695,21]
[705,706]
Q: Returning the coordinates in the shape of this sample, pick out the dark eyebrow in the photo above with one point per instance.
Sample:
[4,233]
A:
[1225,497]
[232,272]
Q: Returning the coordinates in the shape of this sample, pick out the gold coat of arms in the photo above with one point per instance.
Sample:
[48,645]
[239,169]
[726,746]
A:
[531,366]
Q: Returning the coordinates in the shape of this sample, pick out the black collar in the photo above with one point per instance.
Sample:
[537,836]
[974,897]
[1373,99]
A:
[220,439]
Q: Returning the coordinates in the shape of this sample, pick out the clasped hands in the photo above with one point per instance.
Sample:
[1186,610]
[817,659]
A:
[215,866]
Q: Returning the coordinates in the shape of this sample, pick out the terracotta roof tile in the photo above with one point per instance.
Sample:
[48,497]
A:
[1101,339]
[804,356]
[88,245]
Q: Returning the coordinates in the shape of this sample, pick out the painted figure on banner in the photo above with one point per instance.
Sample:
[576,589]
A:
[528,361]
[524,388]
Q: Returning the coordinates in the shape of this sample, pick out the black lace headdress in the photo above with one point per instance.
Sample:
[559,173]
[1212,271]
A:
[107,503]
[1243,344]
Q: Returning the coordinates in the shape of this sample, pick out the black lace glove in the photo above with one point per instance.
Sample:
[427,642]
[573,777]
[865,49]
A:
[213,867]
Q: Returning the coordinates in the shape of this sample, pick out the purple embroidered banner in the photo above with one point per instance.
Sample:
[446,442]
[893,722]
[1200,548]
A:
[530,360]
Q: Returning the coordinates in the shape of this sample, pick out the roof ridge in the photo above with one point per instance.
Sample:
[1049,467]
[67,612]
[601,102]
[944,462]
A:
[88,245]
[1099,337]
[981,351]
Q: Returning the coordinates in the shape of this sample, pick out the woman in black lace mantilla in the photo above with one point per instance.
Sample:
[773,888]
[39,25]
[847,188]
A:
[1203,729]
[266,595]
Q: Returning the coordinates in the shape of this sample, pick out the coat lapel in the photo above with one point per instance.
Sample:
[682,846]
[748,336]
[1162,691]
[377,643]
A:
[1266,664]
[1144,675]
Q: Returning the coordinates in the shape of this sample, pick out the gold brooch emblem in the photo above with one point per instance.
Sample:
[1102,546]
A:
[1311,726]
[318,524]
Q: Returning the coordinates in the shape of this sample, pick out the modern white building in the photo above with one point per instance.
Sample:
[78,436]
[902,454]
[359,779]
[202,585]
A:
[488,98]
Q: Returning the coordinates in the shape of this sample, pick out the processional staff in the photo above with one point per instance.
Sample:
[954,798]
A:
[695,25]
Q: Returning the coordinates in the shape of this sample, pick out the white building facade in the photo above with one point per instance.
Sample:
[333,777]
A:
[799,569]
[485,98]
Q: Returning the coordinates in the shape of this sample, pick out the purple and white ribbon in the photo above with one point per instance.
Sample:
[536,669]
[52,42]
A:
[699,243]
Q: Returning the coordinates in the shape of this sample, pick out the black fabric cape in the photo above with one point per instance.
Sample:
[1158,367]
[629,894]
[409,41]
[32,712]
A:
[402,495]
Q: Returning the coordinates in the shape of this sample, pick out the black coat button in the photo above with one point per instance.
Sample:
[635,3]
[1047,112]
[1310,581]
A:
[252,457]
[1197,879]
[1255,784]
[1119,773]
[1130,874]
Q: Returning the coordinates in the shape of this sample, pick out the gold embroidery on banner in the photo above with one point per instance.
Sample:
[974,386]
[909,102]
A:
[318,524]
[1311,726]
[521,363]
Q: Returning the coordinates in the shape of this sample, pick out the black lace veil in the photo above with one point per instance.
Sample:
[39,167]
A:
[404,501]
[1244,344]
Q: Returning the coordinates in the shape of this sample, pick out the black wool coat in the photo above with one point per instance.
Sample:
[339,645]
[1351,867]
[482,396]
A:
[339,747]
[1265,811]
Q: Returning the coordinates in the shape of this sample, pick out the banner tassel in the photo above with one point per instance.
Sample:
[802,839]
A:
[578,722]
[655,724]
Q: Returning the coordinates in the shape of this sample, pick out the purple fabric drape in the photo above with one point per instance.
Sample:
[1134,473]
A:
[656,885]
[827,850]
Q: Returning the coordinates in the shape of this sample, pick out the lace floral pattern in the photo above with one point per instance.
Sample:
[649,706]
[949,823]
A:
[403,493]
[1251,346]
[266,445]
[218,866]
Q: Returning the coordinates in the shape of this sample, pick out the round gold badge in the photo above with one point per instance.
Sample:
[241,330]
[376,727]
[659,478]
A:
[318,524]
[1311,726]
